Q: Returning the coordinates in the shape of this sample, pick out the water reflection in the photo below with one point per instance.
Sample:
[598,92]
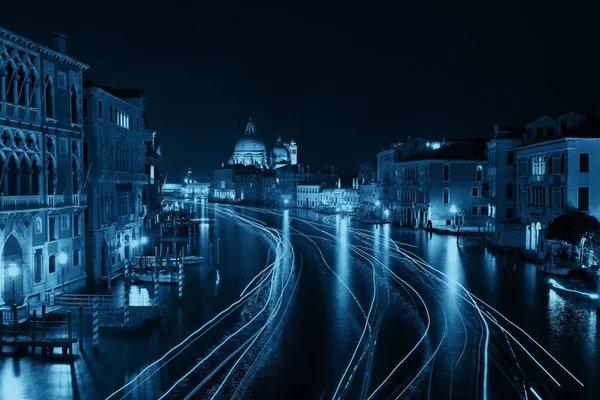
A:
[342,256]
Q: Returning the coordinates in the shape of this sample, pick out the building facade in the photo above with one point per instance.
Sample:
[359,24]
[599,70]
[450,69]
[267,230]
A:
[41,205]
[116,162]
[152,192]
[539,172]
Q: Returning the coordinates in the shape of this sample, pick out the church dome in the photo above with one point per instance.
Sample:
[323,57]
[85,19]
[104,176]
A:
[249,145]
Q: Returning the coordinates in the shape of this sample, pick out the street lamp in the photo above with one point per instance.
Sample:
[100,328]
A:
[453,210]
[13,272]
[62,260]
[144,240]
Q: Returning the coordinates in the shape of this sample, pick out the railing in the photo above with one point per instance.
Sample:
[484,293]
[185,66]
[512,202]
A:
[79,199]
[108,304]
[18,112]
[56,200]
[21,202]
[22,314]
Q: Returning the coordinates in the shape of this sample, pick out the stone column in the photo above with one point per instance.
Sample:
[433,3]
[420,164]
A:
[27,91]
[3,86]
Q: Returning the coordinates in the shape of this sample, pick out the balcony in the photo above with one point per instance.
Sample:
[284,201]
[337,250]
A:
[536,178]
[55,200]
[19,113]
[79,200]
[13,203]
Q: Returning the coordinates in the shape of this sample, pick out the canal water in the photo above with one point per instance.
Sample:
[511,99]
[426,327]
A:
[322,322]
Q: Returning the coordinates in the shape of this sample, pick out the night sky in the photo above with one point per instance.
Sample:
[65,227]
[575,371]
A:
[343,81]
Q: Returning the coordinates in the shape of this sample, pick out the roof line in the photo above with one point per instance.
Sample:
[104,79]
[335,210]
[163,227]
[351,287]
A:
[30,44]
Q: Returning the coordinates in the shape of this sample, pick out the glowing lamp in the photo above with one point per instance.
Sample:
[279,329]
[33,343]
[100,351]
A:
[134,243]
[386,212]
[13,270]
[452,209]
[377,203]
[286,201]
[62,258]
[144,240]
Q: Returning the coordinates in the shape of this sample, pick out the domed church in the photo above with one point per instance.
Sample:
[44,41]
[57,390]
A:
[251,151]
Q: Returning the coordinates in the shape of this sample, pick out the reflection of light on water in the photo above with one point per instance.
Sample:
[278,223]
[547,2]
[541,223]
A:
[12,382]
[342,257]
[139,296]
[561,287]
[556,307]
[218,278]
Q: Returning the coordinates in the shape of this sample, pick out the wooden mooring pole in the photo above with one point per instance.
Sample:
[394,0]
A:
[180,299]
[96,325]
[1,329]
[34,326]
[80,329]
[70,332]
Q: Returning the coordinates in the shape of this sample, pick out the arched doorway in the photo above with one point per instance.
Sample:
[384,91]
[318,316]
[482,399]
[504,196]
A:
[12,255]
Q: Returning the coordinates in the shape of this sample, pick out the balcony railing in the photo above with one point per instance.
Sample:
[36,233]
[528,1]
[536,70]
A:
[21,202]
[19,113]
[55,200]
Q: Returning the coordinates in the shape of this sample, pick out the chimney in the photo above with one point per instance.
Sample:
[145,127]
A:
[60,42]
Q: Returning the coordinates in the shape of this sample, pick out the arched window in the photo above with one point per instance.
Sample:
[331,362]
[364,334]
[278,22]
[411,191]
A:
[52,264]
[446,173]
[445,196]
[74,115]
[51,175]
[13,176]
[49,97]
[549,165]
[21,87]
[35,178]
[479,176]
[25,177]
[33,92]
[10,80]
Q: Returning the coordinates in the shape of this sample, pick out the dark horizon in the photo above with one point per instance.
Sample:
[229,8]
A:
[342,81]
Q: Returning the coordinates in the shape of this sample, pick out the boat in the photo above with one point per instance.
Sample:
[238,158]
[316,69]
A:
[554,270]
[375,221]
[163,277]
[472,242]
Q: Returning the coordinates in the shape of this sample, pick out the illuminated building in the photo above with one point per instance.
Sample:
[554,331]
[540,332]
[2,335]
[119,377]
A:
[538,172]
[116,146]
[151,192]
[325,198]
[438,182]
[41,183]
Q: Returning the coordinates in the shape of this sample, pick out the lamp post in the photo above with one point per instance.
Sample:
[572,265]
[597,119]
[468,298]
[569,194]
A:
[13,272]
[62,260]
[453,210]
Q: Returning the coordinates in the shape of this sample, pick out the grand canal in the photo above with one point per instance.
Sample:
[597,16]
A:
[311,306]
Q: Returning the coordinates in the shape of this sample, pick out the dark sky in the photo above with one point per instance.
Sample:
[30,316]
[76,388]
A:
[342,80]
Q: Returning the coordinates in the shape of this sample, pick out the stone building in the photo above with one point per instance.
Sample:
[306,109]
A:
[538,172]
[115,161]
[441,182]
[41,179]
[152,192]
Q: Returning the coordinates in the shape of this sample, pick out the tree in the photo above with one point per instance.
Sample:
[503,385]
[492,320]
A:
[570,228]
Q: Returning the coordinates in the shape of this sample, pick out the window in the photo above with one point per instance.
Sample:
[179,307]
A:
[445,196]
[63,145]
[584,162]
[448,222]
[76,225]
[583,199]
[49,98]
[85,106]
[484,210]
[64,222]
[446,173]
[475,192]
[37,265]
[76,257]
[510,157]
[509,190]
[52,228]
[550,195]
[479,175]
[562,163]
[100,109]
[52,264]
[562,196]
[549,165]
[474,210]
[74,116]
[509,213]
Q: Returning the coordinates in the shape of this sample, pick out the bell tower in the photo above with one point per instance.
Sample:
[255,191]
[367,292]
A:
[293,149]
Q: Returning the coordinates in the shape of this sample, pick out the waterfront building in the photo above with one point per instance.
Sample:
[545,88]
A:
[308,195]
[439,183]
[328,198]
[385,168]
[151,192]
[554,174]
[115,146]
[41,175]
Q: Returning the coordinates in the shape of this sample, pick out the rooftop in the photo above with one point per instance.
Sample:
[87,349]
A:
[473,149]
[121,93]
